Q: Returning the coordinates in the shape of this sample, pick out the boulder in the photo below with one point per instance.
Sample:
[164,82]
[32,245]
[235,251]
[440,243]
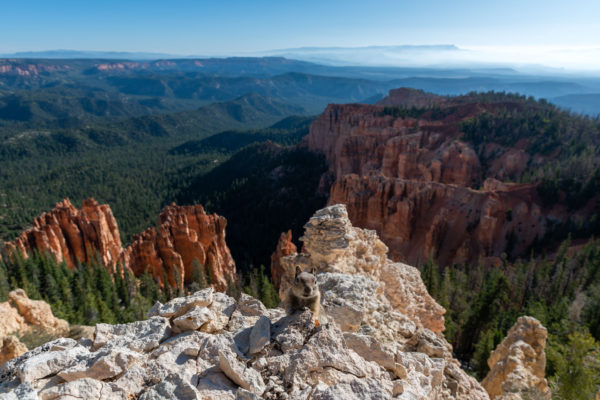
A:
[247,378]
[180,305]
[194,319]
[10,347]
[141,336]
[260,335]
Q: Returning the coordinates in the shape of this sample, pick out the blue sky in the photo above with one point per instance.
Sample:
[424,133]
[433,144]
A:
[228,27]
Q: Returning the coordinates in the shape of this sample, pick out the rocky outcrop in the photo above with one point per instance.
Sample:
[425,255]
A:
[185,236]
[285,247]
[19,316]
[10,347]
[73,235]
[332,244]
[209,346]
[407,174]
[518,365]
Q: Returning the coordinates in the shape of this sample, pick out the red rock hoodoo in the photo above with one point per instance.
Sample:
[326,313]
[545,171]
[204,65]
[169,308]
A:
[285,247]
[73,235]
[184,234]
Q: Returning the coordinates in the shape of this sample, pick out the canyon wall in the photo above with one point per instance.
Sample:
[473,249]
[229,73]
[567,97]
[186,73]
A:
[407,174]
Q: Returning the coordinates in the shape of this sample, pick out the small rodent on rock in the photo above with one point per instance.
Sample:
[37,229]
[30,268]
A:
[304,293]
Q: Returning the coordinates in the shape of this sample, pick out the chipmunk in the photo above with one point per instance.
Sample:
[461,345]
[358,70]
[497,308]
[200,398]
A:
[304,293]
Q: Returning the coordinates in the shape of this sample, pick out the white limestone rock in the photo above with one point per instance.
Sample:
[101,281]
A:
[141,336]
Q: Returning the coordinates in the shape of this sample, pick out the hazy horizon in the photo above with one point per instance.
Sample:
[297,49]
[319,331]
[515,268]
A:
[541,33]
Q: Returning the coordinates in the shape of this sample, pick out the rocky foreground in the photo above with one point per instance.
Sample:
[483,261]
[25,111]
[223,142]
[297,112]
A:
[376,339]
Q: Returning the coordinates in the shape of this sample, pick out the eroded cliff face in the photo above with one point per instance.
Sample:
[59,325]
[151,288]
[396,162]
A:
[73,235]
[518,365]
[370,344]
[421,187]
[185,234]
[453,224]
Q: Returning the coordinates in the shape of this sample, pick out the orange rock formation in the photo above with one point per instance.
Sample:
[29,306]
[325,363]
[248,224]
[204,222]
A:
[184,234]
[285,247]
[20,315]
[73,235]
[420,186]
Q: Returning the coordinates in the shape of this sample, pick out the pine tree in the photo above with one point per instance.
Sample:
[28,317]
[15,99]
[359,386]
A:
[252,283]
[577,366]
[483,349]
[431,276]
[121,288]
[4,285]
[268,294]
[233,288]
[198,276]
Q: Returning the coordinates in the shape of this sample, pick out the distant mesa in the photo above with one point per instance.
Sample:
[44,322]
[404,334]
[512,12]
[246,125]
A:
[186,235]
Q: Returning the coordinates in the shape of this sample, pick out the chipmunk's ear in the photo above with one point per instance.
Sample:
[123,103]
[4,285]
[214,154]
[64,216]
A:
[313,270]
[298,271]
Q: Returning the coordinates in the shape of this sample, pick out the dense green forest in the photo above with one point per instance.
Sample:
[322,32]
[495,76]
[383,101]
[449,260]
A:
[263,190]
[131,165]
[561,291]
[89,294]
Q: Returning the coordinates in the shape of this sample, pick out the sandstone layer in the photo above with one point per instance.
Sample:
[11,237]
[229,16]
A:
[21,315]
[209,346]
[185,236]
[409,175]
[451,223]
[518,364]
